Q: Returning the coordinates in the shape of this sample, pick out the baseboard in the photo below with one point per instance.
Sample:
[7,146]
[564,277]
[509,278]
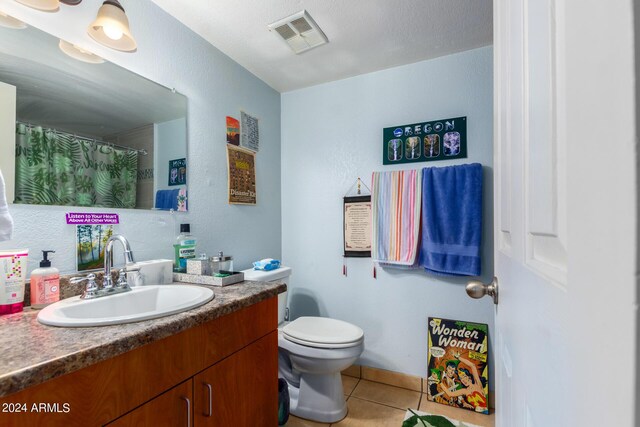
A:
[383,376]
[397,379]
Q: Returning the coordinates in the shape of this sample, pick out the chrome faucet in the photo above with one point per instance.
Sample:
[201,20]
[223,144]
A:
[92,290]
[107,283]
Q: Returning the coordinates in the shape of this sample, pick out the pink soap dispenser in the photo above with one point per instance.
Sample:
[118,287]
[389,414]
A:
[45,283]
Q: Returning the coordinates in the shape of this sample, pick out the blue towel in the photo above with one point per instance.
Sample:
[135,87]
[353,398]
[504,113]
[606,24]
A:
[452,220]
[167,199]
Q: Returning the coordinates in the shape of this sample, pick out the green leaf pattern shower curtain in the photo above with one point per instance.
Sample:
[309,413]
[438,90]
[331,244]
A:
[55,168]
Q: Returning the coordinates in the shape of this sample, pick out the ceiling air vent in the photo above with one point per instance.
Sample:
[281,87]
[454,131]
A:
[300,32]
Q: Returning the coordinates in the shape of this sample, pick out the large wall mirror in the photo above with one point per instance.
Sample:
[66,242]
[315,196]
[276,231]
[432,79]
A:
[78,133]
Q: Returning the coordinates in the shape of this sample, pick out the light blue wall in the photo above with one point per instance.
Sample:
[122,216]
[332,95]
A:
[174,56]
[331,135]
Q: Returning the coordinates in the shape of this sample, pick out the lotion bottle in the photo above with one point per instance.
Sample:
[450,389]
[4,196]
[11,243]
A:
[45,283]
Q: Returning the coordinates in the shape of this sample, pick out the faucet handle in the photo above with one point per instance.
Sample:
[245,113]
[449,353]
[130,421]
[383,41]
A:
[91,290]
[80,279]
[122,280]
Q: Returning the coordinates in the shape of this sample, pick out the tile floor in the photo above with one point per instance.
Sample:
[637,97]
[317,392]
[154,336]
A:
[373,404]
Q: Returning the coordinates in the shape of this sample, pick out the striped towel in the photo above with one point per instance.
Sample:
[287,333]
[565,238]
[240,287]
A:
[395,199]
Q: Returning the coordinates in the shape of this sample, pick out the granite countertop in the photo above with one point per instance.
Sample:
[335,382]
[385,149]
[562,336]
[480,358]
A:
[33,353]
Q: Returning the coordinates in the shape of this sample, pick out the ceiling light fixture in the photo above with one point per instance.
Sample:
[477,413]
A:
[44,5]
[79,53]
[111,27]
[11,22]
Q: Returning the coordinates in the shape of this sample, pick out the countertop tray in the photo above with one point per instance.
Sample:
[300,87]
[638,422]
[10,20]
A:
[235,277]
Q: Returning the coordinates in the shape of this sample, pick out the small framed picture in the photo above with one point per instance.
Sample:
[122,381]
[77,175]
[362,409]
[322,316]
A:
[177,172]
[91,240]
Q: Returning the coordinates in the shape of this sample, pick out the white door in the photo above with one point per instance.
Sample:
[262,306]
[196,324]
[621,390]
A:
[565,213]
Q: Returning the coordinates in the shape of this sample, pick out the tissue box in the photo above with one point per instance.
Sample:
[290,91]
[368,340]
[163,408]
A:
[199,267]
[155,272]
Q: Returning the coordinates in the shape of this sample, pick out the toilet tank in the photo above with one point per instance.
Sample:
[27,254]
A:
[281,274]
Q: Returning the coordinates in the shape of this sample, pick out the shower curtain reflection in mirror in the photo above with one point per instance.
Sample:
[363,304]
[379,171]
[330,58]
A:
[57,168]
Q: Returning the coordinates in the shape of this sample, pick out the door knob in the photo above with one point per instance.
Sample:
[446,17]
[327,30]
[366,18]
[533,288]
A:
[477,289]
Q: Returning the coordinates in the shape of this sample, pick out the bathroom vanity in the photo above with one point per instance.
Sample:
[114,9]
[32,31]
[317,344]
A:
[215,365]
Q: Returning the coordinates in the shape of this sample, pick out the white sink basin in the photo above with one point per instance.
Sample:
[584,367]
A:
[141,303]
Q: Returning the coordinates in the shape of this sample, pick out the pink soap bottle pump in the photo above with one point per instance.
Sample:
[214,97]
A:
[45,283]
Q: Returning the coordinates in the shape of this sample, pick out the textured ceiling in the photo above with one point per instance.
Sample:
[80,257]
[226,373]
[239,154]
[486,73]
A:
[364,35]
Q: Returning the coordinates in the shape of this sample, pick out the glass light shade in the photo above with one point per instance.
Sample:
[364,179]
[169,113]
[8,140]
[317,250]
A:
[46,5]
[111,28]
[113,32]
[11,22]
[78,53]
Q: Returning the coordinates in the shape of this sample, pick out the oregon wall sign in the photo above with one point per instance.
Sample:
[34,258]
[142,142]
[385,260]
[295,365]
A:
[425,142]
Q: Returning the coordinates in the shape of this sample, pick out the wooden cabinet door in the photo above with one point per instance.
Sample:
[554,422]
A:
[171,408]
[241,390]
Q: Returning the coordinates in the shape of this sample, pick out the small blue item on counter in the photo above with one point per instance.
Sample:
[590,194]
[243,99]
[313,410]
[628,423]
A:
[266,264]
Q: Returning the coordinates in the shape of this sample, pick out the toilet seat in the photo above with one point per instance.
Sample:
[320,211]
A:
[322,332]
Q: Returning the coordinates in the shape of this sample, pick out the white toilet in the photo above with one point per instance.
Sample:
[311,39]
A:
[312,351]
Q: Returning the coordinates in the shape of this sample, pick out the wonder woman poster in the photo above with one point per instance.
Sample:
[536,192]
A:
[458,369]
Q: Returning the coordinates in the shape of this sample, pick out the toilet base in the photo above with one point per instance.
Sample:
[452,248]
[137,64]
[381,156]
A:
[326,394]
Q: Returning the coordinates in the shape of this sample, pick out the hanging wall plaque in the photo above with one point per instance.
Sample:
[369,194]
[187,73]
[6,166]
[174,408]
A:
[425,142]
[357,226]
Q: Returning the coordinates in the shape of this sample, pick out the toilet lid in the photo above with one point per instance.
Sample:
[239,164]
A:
[321,330]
